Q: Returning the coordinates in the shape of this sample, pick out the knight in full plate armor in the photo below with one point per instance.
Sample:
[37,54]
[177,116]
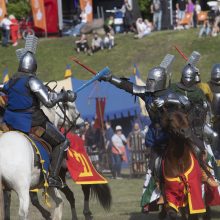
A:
[25,93]
[214,85]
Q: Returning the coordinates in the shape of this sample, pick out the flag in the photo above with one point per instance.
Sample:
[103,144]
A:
[86,5]
[68,72]
[5,77]
[79,164]
[3,11]
[38,12]
[136,71]
[100,109]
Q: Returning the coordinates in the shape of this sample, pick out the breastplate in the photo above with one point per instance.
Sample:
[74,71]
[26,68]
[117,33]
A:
[216,104]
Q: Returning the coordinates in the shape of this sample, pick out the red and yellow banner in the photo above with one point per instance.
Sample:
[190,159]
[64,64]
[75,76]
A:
[79,164]
[86,5]
[3,11]
[38,12]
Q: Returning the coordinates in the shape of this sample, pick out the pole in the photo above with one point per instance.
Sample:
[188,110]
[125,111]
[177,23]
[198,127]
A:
[84,66]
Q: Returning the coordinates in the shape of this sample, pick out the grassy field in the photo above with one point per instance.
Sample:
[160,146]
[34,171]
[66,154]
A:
[126,195]
[53,54]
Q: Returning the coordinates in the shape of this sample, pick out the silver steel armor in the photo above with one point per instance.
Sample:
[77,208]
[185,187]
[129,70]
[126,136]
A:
[49,98]
[215,74]
[26,56]
[189,75]
[28,63]
[156,79]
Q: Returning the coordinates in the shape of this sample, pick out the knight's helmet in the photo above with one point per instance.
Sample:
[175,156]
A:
[190,74]
[215,74]
[158,77]
[26,56]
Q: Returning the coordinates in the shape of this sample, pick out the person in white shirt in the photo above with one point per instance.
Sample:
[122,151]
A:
[118,151]
[109,41]
[143,28]
[5,26]
[97,43]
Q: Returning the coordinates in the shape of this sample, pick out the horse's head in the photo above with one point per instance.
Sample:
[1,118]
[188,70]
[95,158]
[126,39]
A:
[69,108]
[177,124]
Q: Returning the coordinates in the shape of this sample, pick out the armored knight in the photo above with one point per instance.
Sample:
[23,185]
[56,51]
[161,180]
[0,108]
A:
[25,93]
[214,85]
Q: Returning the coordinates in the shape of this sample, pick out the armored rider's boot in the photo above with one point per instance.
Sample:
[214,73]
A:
[57,158]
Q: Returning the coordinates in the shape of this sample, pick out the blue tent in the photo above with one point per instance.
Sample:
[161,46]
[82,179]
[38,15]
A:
[119,104]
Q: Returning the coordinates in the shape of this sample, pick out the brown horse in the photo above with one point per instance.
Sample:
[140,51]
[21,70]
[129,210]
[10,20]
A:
[181,169]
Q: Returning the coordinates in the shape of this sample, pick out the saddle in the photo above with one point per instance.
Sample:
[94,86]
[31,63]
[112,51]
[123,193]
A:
[35,136]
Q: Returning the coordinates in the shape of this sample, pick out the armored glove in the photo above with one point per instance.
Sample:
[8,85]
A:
[106,77]
[159,102]
[71,96]
[68,96]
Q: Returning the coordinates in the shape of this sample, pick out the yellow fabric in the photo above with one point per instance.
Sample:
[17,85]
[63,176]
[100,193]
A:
[206,90]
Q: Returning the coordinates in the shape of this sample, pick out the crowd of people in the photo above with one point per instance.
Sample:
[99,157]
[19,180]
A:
[109,148]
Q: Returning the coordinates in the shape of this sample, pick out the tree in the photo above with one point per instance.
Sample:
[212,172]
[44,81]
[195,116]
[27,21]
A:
[145,8]
[19,8]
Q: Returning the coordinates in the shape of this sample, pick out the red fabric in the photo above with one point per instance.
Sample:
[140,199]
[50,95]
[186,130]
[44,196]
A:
[175,192]
[51,11]
[14,30]
[212,195]
[79,164]
[100,110]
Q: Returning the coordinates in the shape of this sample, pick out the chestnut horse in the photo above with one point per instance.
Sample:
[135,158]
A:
[181,169]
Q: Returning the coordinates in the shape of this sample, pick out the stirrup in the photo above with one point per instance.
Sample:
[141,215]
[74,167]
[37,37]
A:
[55,181]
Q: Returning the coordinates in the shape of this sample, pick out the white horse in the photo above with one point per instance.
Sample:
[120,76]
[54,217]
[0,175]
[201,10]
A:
[18,171]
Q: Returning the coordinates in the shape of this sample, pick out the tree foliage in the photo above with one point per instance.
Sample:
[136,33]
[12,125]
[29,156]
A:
[145,8]
[19,8]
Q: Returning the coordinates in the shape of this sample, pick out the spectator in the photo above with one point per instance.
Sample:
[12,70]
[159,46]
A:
[108,145]
[181,8]
[190,8]
[156,10]
[197,11]
[97,43]
[14,30]
[128,16]
[109,25]
[118,152]
[108,41]
[82,44]
[206,29]
[5,26]
[78,27]
[136,145]
[143,28]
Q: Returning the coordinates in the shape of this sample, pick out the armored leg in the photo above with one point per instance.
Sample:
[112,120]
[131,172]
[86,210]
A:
[57,159]
[60,145]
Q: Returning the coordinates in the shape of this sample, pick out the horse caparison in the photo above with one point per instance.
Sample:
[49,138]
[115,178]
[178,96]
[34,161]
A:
[178,156]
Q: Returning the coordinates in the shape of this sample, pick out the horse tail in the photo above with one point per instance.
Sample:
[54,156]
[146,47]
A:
[102,193]
[2,214]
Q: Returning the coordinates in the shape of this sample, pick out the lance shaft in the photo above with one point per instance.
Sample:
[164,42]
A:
[181,53]
[84,66]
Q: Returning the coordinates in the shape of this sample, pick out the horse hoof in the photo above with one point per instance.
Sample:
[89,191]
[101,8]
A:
[88,215]
[172,214]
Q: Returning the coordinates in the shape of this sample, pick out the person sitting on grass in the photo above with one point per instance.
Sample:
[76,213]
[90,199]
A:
[109,41]
[97,43]
[82,44]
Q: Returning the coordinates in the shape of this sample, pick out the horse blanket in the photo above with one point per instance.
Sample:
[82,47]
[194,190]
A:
[186,188]
[79,164]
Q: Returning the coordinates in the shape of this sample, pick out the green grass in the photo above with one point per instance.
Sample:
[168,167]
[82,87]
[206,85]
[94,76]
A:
[53,54]
[126,195]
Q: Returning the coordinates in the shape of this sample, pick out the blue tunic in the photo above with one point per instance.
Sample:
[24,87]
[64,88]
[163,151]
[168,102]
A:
[20,100]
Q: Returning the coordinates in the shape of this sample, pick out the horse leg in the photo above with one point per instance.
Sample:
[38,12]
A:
[57,198]
[172,213]
[7,204]
[207,214]
[86,211]
[35,202]
[24,201]
[68,193]
[163,213]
